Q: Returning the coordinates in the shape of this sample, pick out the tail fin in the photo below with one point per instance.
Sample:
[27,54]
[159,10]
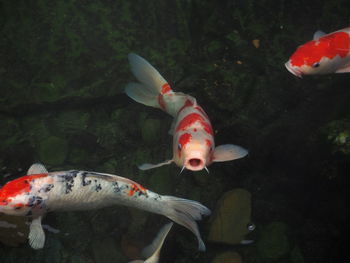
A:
[152,251]
[152,82]
[185,212]
[146,73]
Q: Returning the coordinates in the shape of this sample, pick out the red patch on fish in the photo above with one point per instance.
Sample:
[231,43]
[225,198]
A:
[192,118]
[328,46]
[183,140]
[188,103]
[16,187]
[208,142]
[165,89]
[137,188]
[200,109]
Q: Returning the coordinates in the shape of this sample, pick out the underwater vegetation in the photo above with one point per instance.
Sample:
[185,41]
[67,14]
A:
[63,70]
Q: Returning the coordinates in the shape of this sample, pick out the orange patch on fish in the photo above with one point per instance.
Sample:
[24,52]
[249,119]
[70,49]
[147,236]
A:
[17,186]
[192,118]
[137,188]
[188,103]
[183,140]
[165,89]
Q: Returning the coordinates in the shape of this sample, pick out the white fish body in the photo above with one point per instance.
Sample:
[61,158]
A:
[40,192]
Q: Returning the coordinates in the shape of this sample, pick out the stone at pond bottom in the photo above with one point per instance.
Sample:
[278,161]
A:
[231,217]
[273,243]
[227,257]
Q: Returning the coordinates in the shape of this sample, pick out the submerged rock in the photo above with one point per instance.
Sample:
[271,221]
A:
[273,243]
[106,250]
[231,217]
[228,257]
[13,230]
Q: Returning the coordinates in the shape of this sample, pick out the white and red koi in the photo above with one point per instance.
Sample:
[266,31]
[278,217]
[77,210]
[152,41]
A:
[193,137]
[152,252]
[40,192]
[326,53]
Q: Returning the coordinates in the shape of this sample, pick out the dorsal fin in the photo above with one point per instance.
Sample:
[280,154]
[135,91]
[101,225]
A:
[110,177]
[37,168]
[318,34]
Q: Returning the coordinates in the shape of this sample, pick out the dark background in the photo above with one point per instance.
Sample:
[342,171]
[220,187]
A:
[63,67]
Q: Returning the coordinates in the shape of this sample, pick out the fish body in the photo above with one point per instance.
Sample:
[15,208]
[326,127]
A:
[40,192]
[326,53]
[193,136]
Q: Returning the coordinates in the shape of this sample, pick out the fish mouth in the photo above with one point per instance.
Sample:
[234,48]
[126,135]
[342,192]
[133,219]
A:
[293,70]
[195,164]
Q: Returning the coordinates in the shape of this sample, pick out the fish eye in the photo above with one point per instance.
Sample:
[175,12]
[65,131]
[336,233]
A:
[179,146]
[316,65]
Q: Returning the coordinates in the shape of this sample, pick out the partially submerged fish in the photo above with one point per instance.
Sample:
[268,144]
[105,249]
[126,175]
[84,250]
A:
[152,251]
[40,192]
[326,53]
[193,137]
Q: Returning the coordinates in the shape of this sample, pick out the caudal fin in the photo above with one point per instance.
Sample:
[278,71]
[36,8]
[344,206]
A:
[152,83]
[152,251]
[185,212]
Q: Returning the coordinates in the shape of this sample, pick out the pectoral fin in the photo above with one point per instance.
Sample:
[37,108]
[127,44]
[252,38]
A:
[36,234]
[345,69]
[147,166]
[228,152]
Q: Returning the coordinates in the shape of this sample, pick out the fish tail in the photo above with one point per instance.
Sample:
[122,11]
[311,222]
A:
[185,212]
[152,85]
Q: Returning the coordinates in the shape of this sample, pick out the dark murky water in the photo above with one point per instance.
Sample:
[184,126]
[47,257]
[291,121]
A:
[63,68]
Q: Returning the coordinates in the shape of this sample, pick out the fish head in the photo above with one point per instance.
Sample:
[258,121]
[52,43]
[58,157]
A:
[16,197]
[320,56]
[193,153]
[13,206]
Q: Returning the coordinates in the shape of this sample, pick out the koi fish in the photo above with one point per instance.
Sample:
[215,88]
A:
[41,191]
[152,251]
[193,137]
[326,53]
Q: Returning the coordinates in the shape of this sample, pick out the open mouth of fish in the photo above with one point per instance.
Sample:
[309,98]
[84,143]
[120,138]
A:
[293,70]
[195,164]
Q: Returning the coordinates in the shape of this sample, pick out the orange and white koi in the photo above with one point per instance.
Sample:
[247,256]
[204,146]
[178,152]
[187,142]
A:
[40,192]
[326,53]
[193,136]
[152,251]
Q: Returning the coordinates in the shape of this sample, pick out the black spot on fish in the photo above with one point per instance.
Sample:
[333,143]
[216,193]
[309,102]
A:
[18,207]
[74,173]
[116,187]
[83,179]
[69,180]
[46,188]
[35,201]
[98,188]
